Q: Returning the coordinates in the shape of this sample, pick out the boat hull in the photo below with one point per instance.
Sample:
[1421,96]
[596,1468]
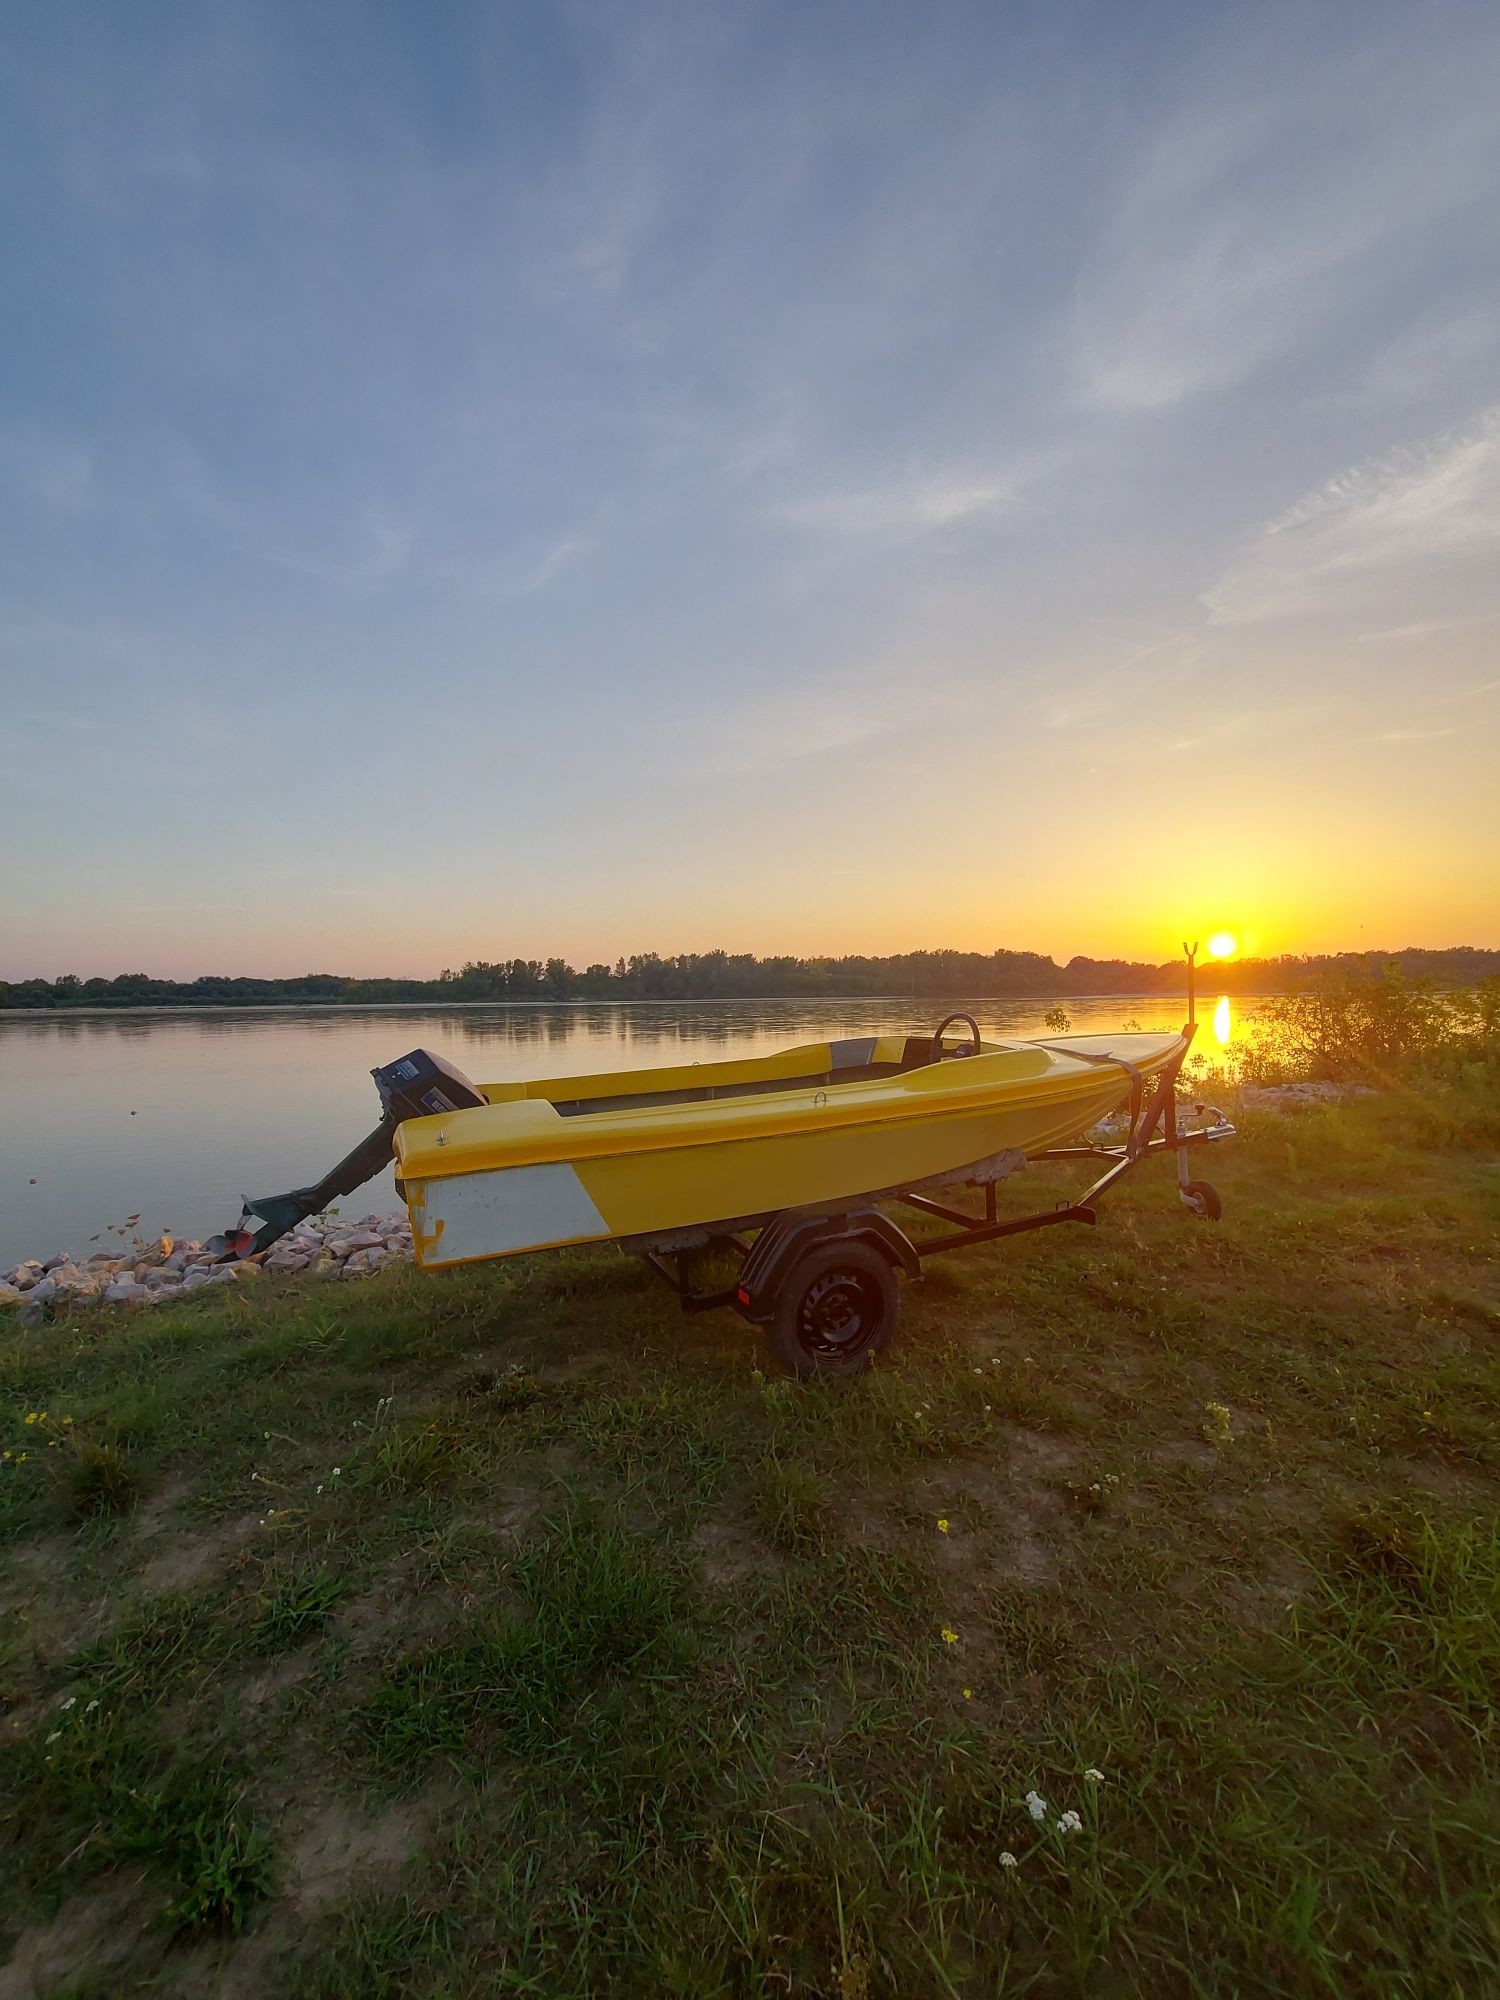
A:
[517,1175]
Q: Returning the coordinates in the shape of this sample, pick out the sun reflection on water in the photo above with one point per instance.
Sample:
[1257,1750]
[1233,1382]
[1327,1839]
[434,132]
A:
[1223,1024]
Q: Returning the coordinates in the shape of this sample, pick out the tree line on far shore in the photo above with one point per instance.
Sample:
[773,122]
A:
[722,975]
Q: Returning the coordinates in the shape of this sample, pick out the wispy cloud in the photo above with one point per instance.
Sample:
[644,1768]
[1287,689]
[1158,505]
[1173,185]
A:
[1241,227]
[540,570]
[1145,670]
[826,714]
[1389,521]
[1443,349]
[1404,736]
[914,506]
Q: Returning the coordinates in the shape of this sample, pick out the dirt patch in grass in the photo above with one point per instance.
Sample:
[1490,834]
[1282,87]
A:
[728,1551]
[188,1560]
[341,1850]
[262,1690]
[93,1932]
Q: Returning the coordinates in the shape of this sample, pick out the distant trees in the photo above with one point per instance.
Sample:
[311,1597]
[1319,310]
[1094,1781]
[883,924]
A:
[723,975]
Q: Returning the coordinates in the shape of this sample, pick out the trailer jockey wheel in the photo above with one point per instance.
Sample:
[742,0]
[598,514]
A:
[1203,1200]
[836,1310]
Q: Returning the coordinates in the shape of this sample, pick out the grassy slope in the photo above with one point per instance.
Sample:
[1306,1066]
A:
[605,1664]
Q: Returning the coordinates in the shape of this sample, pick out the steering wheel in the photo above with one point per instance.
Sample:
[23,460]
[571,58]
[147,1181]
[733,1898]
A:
[935,1054]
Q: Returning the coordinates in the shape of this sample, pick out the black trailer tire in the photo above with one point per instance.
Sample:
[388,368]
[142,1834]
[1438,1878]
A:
[836,1310]
[1204,1201]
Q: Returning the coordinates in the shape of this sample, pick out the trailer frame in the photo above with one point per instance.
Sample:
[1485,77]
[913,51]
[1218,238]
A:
[844,1237]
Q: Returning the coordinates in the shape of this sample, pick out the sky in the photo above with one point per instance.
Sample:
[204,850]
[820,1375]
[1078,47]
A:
[515,479]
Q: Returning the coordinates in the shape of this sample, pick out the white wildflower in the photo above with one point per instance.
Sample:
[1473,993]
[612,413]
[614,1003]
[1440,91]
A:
[1008,1860]
[71,1702]
[337,1470]
[1036,1805]
[1094,1777]
[1069,1823]
[92,1706]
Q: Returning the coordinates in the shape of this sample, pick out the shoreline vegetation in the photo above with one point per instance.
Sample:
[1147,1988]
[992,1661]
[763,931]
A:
[720,975]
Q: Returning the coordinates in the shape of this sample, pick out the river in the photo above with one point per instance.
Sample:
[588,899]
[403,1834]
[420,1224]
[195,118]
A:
[172,1114]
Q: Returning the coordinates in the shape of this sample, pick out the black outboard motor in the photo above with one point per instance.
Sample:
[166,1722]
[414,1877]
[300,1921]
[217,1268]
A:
[417,1086]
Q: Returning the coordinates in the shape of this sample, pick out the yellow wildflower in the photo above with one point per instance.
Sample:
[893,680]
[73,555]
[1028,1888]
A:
[31,1416]
[942,1524]
[950,1637]
[67,1420]
[968,1694]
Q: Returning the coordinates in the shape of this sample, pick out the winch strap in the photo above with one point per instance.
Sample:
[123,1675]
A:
[1137,1081]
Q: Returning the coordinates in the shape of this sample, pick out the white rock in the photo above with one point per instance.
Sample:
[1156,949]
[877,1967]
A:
[287,1260]
[28,1274]
[77,1279]
[122,1293]
[196,1277]
[43,1289]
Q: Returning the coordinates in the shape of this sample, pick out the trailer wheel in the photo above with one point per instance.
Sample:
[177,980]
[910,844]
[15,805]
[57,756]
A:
[1203,1200]
[836,1310]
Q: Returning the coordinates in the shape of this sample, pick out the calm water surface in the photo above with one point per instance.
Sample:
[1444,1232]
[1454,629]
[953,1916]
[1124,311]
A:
[176,1114]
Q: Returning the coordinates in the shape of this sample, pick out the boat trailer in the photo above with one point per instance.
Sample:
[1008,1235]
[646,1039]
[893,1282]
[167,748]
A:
[821,1283]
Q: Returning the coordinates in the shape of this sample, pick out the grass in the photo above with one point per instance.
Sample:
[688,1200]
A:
[512,1633]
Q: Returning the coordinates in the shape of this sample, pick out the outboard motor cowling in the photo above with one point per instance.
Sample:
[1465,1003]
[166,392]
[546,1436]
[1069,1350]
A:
[419,1085]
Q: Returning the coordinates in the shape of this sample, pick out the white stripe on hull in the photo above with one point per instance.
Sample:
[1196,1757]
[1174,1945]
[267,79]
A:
[490,1215]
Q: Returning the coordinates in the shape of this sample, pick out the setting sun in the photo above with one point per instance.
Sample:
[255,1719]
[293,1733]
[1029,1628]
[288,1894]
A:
[1222,945]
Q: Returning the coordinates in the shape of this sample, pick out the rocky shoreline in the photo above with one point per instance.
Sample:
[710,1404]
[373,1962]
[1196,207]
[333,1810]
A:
[146,1273]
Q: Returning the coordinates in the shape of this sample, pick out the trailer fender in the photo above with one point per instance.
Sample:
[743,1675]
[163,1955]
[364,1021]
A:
[789,1236]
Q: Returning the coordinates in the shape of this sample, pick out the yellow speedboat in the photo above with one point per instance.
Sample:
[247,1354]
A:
[778,1158]
[647,1153]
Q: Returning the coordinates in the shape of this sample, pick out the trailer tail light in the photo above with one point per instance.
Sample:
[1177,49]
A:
[742,1295]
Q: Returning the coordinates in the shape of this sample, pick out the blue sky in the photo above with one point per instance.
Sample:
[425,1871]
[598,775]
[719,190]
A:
[527,478]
